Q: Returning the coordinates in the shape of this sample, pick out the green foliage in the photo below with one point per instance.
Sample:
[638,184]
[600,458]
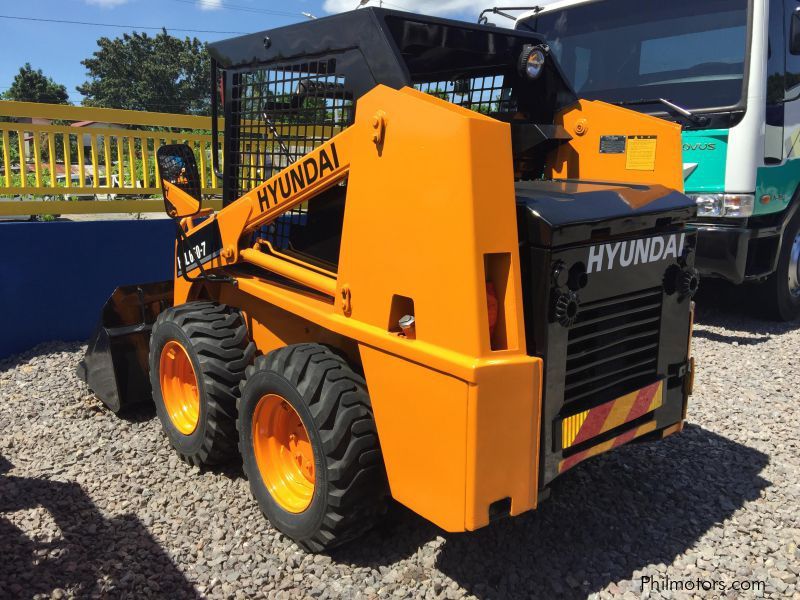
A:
[44,149]
[31,85]
[440,93]
[483,107]
[140,72]
[312,110]
[488,108]
[30,181]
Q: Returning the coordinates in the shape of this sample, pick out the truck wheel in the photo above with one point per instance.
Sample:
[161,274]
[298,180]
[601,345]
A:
[310,447]
[198,355]
[783,286]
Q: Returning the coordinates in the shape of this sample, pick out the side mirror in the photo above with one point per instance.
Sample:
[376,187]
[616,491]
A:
[462,87]
[794,33]
[180,180]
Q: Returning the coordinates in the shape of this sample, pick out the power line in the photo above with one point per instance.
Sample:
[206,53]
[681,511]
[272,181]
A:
[64,22]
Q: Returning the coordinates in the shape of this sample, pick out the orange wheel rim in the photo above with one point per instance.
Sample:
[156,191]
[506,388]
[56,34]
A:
[179,387]
[283,453]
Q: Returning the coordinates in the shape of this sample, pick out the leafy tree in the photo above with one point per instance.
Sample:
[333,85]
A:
[31,85]
[140,72]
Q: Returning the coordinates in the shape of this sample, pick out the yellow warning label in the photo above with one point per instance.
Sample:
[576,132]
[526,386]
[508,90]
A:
[641,153]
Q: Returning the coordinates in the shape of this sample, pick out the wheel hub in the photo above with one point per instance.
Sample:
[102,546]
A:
[794,268]
[283,453]
[179,387]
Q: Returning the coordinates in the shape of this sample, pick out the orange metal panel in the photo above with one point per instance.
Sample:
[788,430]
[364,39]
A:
[272,327]
[428,235]
[503,440]
[651,152]
[421,415]
[307,277]
[425,219]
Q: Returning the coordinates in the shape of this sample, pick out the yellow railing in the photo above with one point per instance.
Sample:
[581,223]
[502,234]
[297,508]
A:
[79,160]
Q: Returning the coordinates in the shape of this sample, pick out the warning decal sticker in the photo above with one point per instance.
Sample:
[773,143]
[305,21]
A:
[641,153]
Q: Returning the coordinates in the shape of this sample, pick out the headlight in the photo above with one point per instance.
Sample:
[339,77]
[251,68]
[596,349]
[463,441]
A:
[724,205]
[531,61]
[710,205]
[739,205]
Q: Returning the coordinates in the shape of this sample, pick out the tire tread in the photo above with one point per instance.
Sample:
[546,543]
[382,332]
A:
[220,339]
[342,413]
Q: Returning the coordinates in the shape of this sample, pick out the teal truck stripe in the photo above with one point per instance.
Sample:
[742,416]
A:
[779,183]
[709,151]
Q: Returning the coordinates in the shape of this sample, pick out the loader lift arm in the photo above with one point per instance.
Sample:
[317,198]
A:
[317,171]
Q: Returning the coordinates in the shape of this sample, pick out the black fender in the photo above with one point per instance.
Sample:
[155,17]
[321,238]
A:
[791,210]
[115,366]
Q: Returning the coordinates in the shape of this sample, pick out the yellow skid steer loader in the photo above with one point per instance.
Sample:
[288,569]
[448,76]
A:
[438,276]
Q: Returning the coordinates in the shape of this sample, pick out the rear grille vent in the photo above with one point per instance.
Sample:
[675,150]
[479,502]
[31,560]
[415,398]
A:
[612,348]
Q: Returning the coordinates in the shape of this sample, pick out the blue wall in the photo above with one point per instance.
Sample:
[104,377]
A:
[55,277]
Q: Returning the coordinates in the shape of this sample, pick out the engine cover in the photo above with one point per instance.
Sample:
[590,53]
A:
[608,277]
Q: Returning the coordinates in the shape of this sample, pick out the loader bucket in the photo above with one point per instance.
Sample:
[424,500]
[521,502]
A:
[116,363]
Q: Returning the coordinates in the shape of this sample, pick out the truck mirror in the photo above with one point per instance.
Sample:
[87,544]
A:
[180,180]
[794,33]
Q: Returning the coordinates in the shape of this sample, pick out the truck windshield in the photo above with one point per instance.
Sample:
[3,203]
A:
[689,51]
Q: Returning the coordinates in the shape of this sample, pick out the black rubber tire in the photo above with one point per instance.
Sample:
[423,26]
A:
[779,302]
[331,399]
[216,340]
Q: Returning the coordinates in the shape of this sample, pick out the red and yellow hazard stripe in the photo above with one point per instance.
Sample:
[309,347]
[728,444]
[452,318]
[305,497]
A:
[619,440]
[596,421]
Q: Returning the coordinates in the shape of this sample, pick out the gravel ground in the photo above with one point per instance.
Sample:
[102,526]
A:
[91,505]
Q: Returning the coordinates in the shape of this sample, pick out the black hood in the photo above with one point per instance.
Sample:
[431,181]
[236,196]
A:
[561,213]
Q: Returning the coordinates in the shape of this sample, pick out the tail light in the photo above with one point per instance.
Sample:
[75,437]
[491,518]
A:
[492,306]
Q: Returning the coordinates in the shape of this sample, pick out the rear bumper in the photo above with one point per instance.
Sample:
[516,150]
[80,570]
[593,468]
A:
[615,423]
[736,254]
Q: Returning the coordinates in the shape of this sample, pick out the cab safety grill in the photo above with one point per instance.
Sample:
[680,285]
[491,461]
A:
[487,95]
[612,347]
[278,114]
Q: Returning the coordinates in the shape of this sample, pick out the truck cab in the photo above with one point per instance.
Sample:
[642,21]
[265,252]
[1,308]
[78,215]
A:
[729,72]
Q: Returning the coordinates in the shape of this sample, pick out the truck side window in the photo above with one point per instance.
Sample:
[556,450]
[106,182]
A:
[792,61]
[776,59]
[776,85]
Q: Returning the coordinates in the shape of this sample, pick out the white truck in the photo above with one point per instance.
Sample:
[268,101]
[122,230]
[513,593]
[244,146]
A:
[729,72]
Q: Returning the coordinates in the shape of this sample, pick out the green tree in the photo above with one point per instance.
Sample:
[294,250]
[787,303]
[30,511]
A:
[140,72]
[31,85]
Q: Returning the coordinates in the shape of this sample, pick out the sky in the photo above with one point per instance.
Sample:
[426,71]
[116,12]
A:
[59,48]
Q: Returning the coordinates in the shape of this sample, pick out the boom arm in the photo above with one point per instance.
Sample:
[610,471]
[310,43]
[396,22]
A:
[216,241]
